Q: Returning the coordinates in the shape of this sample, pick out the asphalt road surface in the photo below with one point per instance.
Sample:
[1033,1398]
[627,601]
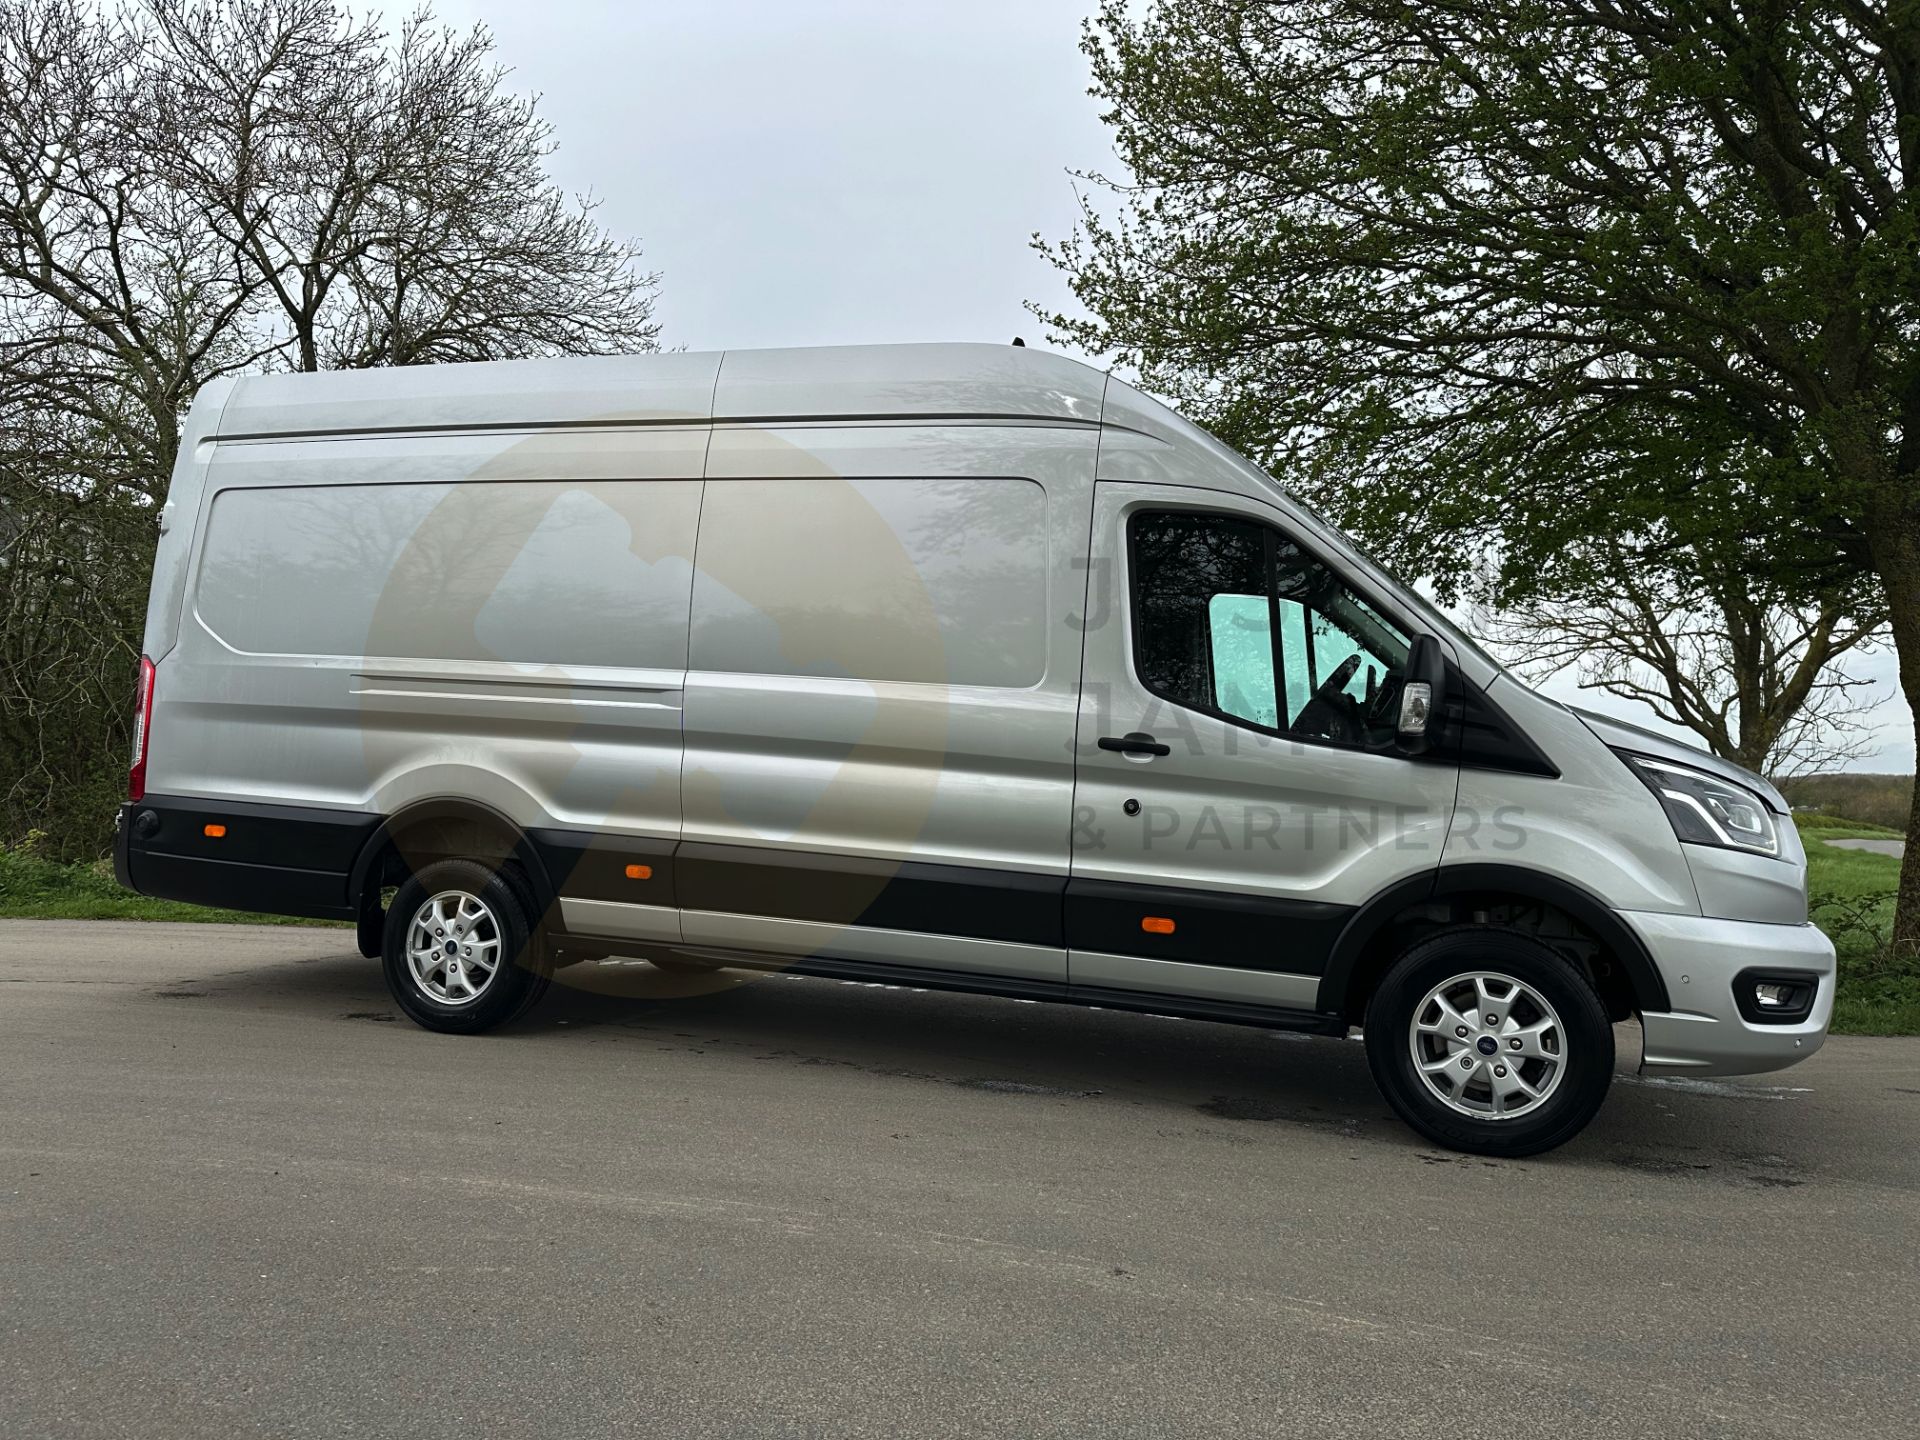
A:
[238,1196]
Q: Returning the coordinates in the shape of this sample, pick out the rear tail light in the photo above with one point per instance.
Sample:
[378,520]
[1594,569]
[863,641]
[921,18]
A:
[142,724]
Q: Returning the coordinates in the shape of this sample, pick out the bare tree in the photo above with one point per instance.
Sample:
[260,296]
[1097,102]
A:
[115,299]
[196,188]
[1762,682]
[391,198]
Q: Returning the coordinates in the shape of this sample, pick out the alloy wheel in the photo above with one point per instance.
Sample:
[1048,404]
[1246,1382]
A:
[1488,1045]
[453,948]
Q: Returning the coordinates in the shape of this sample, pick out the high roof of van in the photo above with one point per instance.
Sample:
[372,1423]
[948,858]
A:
[833,382]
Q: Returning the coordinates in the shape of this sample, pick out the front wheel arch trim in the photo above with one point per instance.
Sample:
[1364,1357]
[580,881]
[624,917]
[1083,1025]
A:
[1593,913]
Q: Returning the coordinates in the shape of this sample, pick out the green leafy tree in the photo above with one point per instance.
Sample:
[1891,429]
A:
[1500,276]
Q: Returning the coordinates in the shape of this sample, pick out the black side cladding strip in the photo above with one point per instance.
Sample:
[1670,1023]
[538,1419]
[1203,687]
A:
[297,860]
[584,865]
[1238,931]
[274,859]
[301,837]
[914,895]
[1242,932]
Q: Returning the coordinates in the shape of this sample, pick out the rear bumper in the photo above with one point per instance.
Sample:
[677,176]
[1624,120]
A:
[1705,1033]
[272,859]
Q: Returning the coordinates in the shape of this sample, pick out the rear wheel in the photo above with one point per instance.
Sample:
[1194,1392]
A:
[1487,1041]
[460,952]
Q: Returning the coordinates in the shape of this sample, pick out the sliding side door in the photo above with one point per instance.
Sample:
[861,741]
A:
[880,695]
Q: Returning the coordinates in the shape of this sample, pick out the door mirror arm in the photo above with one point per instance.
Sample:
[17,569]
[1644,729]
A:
[1423,697]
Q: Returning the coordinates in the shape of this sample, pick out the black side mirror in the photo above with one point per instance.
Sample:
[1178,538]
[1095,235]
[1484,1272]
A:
[1423,696]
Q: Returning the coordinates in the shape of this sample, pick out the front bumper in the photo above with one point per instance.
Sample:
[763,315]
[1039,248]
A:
[1705,1033]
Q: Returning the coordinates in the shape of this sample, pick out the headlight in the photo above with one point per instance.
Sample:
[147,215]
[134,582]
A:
[1706,810]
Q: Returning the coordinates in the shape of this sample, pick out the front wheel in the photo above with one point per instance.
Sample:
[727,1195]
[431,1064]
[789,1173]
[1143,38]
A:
[460,952]
[1486,1040]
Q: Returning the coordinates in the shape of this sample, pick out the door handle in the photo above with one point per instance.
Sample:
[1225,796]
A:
[1135,742]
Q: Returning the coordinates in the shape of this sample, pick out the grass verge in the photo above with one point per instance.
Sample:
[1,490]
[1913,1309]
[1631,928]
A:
[39,889]
[1851,895]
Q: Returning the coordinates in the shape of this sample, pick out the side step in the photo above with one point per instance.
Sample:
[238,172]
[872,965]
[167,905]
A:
[1013,987]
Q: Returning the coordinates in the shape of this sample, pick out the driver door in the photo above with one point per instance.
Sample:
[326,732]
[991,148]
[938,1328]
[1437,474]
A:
[1237,791]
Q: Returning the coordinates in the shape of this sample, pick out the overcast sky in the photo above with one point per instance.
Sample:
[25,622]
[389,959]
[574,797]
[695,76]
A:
[846,171]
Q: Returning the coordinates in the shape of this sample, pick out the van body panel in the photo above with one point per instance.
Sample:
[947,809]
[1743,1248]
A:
[179,519]
[779,936]
[1232,809]
[666,452]
[829,658]
[482,395]
[1733,885]
[621,920]
[354,599]
[879,770]
[878,381]
[884,660]
[1638,740]
[1236,986]
[1593,826]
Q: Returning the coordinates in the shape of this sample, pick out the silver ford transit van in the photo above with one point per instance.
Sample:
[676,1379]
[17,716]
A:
[959,666]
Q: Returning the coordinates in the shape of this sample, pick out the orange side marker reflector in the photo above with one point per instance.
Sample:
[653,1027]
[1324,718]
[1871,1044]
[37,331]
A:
[1157,925]
[213,832]
[639,872]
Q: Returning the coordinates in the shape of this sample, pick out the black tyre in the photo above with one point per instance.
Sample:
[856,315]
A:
[461,953]
[1486,1040]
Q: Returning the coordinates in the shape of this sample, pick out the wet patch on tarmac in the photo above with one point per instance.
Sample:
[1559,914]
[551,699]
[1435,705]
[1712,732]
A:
[1746,1168]
[992,1085]
[1658,1164]
[1438,1157]
[1241,1107]
[1724,1089]
[1021,1087]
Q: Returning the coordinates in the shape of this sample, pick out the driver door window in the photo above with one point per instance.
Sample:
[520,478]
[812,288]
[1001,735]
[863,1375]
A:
[1232,619]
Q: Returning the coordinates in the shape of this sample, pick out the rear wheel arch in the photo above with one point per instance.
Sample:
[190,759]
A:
[447,828]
